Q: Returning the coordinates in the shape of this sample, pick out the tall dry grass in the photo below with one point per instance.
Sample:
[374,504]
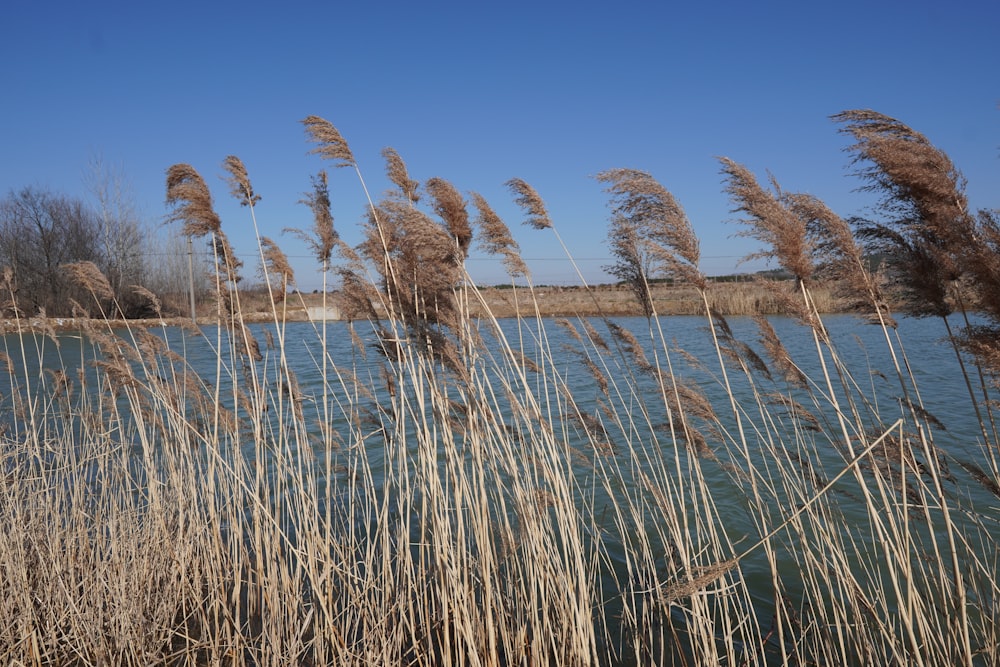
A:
[450,490]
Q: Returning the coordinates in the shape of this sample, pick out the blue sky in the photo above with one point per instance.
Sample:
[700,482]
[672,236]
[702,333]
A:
[478,93]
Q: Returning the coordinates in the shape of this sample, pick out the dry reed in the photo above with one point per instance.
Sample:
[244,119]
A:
[528,199]
[782,233]
[330,144]
[495,237]
[469,496]
[396,170]
[653,229]
[191,201]
[239,181]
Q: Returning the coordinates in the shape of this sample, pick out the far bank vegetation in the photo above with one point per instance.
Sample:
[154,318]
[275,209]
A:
[751,295]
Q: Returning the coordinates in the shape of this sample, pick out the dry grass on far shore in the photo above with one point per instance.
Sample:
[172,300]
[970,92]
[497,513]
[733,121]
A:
[746,298]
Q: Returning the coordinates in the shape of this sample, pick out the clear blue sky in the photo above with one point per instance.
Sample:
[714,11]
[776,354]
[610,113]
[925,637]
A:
[478,93]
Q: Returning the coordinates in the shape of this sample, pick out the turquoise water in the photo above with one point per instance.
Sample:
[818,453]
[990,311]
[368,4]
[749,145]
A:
[861,347]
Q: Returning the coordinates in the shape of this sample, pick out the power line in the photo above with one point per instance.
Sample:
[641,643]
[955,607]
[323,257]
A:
[468,259]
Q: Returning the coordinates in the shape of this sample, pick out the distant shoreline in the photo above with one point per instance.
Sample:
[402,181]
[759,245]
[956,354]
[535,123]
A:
[727,298]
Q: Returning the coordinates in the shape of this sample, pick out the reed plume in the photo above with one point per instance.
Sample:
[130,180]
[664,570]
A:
[739,352]
[357,297]
[329,144]
[239,181]
[595,372]
[421,268]
[449,205]
[529,200]
[649,234]
[276,262]
[927,230]
[631,346]
[8,306]
[627,245]
[245,342]
[595,337]
[798,412]
[87,275]
[495,237]
[228,264]
[396,170]
[324,237]
[921,188]
[770,221]
[983,262]
[981,476]
[983,343]
[190,201]
[658,234]
[595,431]
[920,273]
[778,353]
[150,297]
[568,327]
[697,580]
[839,257]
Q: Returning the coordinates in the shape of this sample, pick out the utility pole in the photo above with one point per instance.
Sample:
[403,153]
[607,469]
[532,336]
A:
[194,317]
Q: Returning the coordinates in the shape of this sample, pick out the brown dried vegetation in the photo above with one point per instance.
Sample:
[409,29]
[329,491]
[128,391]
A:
[485,492]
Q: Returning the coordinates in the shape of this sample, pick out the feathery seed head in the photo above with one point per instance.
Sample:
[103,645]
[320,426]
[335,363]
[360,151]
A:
[275,261]
[930,236]
[329,144]
[531,202]
[915,178]
[778,353]
[649,232]
[324,237]
[495,237]
[839,256]
[395,169]
[239,181]
[228,264]
[417,258]
[191,201]
[91,278]
[450,207]
[769,220]
[154,301]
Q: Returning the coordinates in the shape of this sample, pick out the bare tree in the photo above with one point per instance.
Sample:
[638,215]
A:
[120,232]
[39,233]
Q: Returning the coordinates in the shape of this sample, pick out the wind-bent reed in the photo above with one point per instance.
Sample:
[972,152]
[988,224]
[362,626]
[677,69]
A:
[420,486]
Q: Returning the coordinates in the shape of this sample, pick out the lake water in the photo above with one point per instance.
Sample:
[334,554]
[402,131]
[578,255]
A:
[861,347]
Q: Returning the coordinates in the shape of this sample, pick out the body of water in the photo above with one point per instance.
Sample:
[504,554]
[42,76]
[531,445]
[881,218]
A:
[605,402]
